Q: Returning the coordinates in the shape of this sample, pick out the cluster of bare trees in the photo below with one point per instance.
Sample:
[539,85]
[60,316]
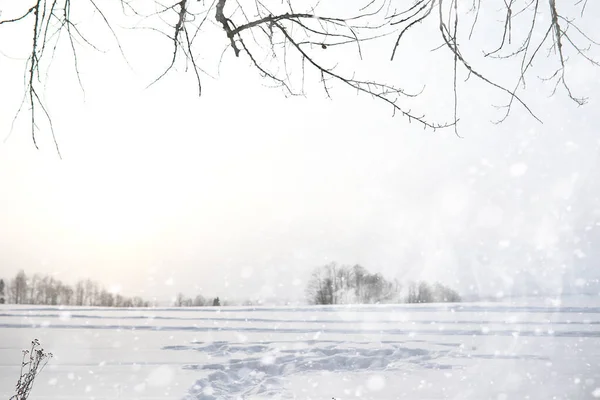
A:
[344,284]
[199,301]
[340,284]
[47,290]
[422,292]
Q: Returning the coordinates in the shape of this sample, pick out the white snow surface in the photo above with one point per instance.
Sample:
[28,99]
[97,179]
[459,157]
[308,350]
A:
[463,351]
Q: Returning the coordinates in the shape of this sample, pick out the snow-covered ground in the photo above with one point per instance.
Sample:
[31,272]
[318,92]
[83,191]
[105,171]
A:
[470,351]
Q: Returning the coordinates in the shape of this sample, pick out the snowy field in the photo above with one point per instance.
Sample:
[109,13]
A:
[470,351]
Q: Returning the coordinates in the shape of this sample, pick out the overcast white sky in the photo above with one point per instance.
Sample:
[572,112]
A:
[242,192]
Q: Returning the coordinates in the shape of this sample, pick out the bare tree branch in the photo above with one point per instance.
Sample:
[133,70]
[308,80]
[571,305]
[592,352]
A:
[286,42]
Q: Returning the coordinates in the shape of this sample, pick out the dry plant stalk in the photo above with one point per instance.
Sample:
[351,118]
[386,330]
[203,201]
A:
[33,362]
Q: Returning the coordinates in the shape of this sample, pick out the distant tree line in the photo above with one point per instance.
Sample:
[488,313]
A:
[343,284]
[182,300]
[199,301]
[329,284]
[47,290]
[423,292]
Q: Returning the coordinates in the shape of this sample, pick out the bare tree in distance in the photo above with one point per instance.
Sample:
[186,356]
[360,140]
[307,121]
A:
[2,299]
[288,42]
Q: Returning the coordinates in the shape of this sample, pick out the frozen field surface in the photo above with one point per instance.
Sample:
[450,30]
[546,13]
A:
[470,351]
